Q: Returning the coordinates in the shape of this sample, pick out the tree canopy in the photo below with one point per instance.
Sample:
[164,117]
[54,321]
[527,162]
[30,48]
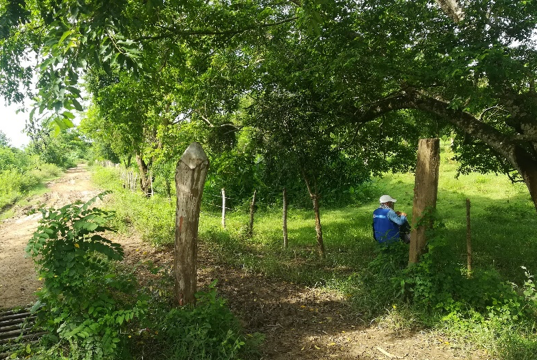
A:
[357,81]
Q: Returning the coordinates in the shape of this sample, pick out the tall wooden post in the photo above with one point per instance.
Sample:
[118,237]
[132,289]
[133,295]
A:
[285,238]
[189,180]
[252,212]
[425,195]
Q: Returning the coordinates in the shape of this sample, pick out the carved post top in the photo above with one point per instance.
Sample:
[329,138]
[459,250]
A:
[194,156]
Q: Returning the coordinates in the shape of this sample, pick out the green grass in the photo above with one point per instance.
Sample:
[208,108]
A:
[22,189]
[503,223]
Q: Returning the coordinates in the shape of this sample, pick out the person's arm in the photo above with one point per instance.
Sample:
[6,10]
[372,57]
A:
[399,220]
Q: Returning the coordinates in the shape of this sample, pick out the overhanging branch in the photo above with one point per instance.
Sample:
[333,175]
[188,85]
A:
[410,98]
[173,31]
[452,9]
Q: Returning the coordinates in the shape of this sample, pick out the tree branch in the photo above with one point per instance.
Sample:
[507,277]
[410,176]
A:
[452,9]
[173,32]
[410,98]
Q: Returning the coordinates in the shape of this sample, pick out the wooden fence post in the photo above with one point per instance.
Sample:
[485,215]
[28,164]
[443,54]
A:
[223,208]
[468,239]
[252,211]
[190,176]
[151,182]
[425,195]
[285,238]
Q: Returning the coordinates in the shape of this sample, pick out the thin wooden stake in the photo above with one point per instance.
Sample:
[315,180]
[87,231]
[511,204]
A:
[223,208]
[468,238]
[252,211]
[285,238]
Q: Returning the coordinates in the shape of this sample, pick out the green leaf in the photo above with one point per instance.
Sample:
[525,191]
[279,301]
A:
[64,36]
[77,105]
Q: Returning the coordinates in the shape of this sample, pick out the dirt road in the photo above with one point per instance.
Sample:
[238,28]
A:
[18,280]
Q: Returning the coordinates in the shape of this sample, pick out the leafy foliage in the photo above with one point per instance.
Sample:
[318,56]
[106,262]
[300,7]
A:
[21,172]
[84,300]
[207,331]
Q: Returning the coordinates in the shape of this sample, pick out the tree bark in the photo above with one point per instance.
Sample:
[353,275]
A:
[318,227]
[425,195]
[144,178]
[252,211]
[190,176]
[452,9]
[314,195]
[284,215]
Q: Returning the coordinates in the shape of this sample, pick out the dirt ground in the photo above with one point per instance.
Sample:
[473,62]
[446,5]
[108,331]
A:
[298,322]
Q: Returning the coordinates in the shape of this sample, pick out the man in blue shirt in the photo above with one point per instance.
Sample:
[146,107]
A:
[389,225]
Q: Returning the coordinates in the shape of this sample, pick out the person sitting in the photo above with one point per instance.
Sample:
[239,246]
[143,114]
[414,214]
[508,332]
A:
[389,225]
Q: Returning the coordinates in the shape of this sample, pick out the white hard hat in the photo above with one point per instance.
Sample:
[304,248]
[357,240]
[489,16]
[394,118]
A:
[386,198]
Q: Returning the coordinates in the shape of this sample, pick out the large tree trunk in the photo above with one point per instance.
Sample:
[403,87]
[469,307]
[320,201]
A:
[189,178]
[425,195]
[145,184]
[527,168]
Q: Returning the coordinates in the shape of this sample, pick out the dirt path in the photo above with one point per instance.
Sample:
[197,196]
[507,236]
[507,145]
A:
[17,275]
[298,322]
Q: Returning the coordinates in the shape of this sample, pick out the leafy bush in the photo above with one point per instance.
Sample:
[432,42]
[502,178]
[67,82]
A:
[482,308]
[83,300]
[207,331]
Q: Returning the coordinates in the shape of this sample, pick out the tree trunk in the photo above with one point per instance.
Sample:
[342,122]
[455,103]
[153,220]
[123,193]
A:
[189,178]
[468,239]
[223,208]
[452,9]
[527,168]
[425,195]
[318,228]
[252,211]
[285,238]
[144,178]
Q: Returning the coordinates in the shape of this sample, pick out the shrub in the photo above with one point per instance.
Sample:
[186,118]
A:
[207,331]
[83,300]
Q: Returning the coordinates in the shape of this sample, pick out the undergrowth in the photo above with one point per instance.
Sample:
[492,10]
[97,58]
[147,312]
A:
[492,310]
[92,307]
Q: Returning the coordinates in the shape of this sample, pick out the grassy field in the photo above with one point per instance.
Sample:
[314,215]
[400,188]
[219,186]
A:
[503,223]
[486,310]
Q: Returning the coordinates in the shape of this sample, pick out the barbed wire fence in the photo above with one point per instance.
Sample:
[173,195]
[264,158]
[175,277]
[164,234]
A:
[130,178]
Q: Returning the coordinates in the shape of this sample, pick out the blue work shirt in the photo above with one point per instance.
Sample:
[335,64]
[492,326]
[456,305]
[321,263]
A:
[386,224]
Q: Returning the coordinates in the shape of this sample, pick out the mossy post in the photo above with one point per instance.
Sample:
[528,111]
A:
[425,195]
[190,176]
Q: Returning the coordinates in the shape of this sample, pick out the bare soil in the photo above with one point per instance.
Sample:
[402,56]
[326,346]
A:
[298,322]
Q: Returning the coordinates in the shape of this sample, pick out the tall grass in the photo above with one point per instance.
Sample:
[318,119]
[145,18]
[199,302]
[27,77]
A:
[15,183]
[436,294]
